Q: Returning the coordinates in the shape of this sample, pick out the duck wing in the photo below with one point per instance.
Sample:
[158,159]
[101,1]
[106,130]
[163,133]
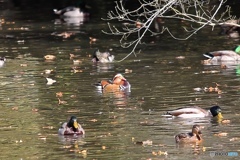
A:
[210,55]
[187,110]
[181,137]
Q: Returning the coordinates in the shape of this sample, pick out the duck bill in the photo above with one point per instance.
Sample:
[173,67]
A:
[75,124]
[219,116]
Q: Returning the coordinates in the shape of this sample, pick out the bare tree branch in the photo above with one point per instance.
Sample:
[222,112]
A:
[138,21]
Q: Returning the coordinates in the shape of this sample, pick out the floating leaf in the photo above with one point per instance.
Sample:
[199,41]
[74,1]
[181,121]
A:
[47,71]
[77,61]
[225,121]
[93,120]
[15,108]
[103,147]
[147,142]
[162,153]
[48,127]
[67,147]
[50,81]
[61,102]
[34,110]
[92,40]
[50,57]
[23,65]
[59,94]
[221,134]
[180,57]
[234,139]
[128,71]
[198,89]
[73,111]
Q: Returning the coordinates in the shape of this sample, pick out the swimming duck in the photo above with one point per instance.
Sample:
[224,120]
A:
[118,83]
[78,10]
[192,137]
[224,55]
[70,11]
[230,28]
[71,128]
[196,112]
[103,57]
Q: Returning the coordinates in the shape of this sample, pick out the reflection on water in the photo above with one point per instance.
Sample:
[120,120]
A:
[32,113]
[74,21]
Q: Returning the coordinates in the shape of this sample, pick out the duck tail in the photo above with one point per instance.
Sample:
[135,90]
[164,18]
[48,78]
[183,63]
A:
[167,114]
[208,55]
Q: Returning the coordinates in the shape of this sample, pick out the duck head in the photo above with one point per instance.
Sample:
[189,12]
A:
[216,111]
[237,49]
[196,130]
[73,123]
[102,56]
[118,78]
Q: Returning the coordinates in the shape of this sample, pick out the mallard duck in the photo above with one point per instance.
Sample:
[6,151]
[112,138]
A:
[71,128]
[117,83]
[103,57]
[192,137]
[224,55]
[196,112]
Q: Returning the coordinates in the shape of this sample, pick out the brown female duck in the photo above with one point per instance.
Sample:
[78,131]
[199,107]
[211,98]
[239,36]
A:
[192,137]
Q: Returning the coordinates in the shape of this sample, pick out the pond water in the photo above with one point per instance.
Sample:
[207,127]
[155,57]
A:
[164,76]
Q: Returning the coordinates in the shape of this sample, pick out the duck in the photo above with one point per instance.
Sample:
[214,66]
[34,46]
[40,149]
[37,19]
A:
[230,28]
[224,55]
[118,83]
[72,127]
[103,57]
[70,11]
[192,137]
[195,112]
[79,10]
[2,61]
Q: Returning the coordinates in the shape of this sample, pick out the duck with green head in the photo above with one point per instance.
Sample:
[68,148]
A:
[224,55]
[192,137]
[195,112]
[72,127]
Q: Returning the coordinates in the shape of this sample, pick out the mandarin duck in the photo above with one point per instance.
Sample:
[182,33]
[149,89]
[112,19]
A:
[72,127]
[192,137]
[195,112]
[118,83]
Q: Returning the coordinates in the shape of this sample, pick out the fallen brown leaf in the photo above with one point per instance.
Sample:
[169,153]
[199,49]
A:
[50,57]
[59,94]
[221,134]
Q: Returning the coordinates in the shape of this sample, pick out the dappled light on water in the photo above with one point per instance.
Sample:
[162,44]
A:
[48,76]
